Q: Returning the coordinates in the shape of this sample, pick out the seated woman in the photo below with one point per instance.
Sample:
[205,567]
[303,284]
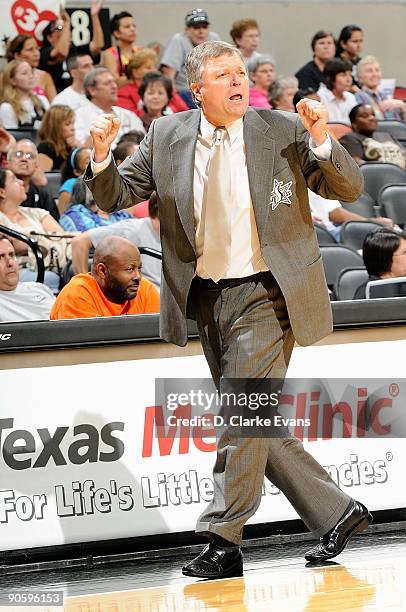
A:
[335,93]
[74,167]
[245,34]
[141,63]
[349,48]
[155,92]
[262,74]
[25,220]
[83,214]
[57,138]
[21,107]
[369,75]
[312,73]
[384,254]
[367,144]
[25,48]
[282,92]
[57,46]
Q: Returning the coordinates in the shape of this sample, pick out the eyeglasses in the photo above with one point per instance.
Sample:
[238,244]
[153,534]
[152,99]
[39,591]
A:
[27,155]
[57,28]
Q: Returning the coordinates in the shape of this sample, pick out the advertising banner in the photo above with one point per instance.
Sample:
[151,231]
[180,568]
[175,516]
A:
[80,459]
[27,17]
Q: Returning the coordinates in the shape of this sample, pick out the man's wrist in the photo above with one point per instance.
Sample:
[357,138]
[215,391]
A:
[319,137]
[100,156]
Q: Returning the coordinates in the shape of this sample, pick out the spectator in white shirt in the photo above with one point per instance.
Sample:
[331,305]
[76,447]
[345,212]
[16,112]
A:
[75,96]
[20,301]
[101,91]
[335,94]
[20,107]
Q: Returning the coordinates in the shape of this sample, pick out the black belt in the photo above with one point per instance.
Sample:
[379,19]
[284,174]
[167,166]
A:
[209,283]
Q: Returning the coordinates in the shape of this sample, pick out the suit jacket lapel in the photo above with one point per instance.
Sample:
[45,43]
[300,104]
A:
[260,156]
[182,151]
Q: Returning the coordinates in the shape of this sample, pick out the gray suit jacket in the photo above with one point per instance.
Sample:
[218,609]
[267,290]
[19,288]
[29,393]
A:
[276,148]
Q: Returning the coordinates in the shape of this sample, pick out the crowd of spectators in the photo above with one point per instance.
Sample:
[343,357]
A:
[53,91]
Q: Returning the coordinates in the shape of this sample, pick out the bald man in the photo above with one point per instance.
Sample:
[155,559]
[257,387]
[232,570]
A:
[113,287]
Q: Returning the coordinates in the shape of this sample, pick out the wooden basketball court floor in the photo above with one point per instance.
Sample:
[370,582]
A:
[369,575]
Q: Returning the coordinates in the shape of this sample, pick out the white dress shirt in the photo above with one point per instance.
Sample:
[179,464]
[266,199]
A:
[246,258]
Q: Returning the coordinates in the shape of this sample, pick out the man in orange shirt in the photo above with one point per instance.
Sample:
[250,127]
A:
[113,287]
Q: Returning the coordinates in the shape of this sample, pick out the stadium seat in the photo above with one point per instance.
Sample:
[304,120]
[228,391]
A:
[377,175]
[323,236]
[397,129]
[354,232]
[392,199]
[20,133]
[348,282]
[335,258]
[54,182]
[364,206]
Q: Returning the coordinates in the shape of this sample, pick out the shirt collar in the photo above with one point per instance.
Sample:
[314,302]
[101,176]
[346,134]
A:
[234,130]
[327,92]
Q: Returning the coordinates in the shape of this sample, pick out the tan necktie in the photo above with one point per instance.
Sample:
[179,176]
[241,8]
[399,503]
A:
[217,224]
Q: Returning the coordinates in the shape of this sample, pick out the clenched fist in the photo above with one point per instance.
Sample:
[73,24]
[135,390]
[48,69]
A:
[314,116]
[103,130]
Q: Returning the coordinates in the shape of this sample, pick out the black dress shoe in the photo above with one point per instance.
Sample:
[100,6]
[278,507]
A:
[215,561]
[355,518]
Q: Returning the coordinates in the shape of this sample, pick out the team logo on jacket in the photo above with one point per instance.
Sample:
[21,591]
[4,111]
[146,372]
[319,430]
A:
[280,193]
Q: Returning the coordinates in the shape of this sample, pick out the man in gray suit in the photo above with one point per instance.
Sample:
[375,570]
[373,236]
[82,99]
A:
[241,256]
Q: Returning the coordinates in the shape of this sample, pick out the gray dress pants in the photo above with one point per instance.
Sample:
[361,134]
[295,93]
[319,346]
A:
[245,333]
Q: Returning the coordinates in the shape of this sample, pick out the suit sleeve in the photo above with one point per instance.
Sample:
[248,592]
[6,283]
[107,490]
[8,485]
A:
[115,189]
[339,178]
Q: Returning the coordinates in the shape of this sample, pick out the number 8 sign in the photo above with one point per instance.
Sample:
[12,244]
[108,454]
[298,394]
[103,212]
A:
[80,24]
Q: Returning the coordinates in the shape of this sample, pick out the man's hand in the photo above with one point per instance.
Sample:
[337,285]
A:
[314,116]
[103,130]
[383,221]
[392,104]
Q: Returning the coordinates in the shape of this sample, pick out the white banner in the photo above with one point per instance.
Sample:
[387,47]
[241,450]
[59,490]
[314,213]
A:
[80,460]
[27,17]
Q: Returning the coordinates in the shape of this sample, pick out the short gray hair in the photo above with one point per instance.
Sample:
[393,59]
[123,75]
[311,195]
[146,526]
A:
[15,144]
[262,59]
[196,59]
[366,61]
[91,78]
[278,87]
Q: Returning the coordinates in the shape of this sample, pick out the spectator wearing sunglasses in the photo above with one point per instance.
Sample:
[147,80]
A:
[57,45]
[197,31]
[22,159]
